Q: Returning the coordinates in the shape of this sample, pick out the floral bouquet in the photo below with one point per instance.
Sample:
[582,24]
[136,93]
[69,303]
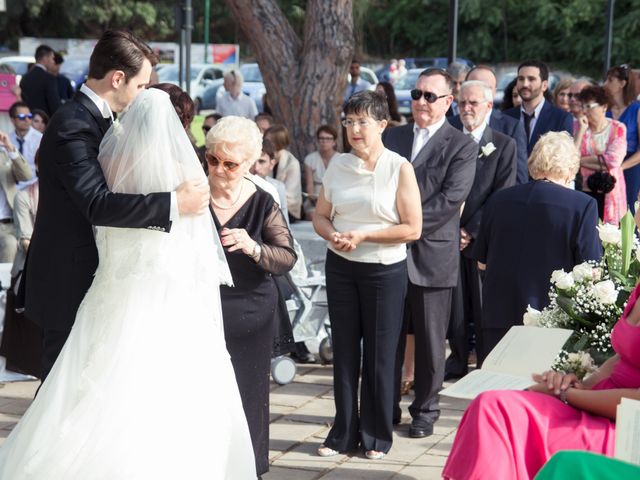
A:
[591,298]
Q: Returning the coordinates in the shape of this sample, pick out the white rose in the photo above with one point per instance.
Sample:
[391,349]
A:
[557,275]
[586,361]
[488,149]
[605,292]
[582,272]
[565,282]
[610,234]
[531,317]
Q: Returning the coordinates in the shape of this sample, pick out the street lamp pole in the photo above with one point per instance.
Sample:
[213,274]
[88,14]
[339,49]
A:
[609,36]
[453,30]
[207,14]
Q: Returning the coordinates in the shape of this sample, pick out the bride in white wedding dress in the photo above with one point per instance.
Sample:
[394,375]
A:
[144,388]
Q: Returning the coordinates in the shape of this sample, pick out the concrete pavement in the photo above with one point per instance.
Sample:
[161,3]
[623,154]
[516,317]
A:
[301,413]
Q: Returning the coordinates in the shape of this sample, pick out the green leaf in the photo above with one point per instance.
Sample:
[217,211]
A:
[627,227]
[567,306]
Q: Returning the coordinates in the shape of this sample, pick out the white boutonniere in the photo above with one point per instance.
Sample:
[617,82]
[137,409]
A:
[487,149]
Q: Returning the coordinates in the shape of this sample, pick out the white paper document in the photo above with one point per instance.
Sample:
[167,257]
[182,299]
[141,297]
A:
[521,352]
[628,431]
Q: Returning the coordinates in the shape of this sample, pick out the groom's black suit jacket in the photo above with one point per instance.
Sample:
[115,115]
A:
[74,197]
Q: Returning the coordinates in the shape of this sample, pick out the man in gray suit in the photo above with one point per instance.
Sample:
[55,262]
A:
[444,161]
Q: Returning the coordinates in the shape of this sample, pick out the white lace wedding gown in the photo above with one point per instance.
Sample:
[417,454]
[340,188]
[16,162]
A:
[144,388]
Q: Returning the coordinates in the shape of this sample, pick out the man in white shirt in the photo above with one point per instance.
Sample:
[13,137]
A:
[24,137]
[234,101]
[356,84]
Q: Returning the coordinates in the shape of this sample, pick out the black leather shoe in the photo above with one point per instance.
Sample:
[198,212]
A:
[420,430]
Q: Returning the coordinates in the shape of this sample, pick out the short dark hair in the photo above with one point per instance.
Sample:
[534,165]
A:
[594,93]
[541,66]
[119,50]
[58,58]
[482,66]
[434,71]
[42,114]
[43,51]
[180,100]
[623,72]
[264,116]
[367,102]
[14,108]
[327,129]
[279,136]
[215,116]
[268,148]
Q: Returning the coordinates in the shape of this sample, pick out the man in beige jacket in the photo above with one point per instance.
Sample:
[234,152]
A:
[13,168]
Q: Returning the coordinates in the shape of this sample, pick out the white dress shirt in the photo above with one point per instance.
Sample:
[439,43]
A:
[29,148]
[422,135]
[243,106]
[477,133]
[534,120]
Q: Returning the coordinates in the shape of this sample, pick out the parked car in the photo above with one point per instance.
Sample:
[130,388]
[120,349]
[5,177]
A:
[20,63]
[403,87]
[209,97]
[368,75]
[76,70]
[201,77]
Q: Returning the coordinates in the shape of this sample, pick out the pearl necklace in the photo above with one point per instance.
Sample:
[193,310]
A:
[233,204]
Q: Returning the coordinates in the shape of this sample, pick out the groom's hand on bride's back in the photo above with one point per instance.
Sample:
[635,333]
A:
[193,197]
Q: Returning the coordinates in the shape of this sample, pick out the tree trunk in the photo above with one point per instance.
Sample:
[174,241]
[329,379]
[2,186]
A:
[305,78]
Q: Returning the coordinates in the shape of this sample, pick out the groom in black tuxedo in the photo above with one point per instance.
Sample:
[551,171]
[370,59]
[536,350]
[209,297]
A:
[74,196]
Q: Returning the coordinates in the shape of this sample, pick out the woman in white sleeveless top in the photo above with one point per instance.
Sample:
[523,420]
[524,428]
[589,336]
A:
[368,209]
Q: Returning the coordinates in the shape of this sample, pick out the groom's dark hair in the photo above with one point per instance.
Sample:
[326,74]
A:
[119,50]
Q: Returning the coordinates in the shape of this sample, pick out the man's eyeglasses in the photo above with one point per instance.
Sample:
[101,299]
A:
[430,97]
[472,104]
[23,116]
[215,161]
[206,128]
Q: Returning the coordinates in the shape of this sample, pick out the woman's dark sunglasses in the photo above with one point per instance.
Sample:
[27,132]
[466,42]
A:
[430,97]
[215,161]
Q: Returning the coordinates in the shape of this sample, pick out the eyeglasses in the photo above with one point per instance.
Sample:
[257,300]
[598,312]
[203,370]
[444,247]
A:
[474,104]
[326,139]
[430,97]
[348,123]
[206,128]
[23,116]
[590,106]
[215,161]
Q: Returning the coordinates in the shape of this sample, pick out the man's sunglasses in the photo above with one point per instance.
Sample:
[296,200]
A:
[24,116]
[215,161]
[206,128]
[430,97]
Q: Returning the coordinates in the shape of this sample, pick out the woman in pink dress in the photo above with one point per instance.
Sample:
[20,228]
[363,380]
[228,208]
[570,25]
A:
[511,434]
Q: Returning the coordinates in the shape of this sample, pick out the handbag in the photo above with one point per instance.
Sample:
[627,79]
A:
[601,181]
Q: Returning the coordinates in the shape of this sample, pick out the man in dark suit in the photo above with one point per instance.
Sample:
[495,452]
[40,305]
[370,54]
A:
[444,162]
[65,89]
[74,195]
[500,122]
[496,167]
[537,115]
[527,232]
[39,87]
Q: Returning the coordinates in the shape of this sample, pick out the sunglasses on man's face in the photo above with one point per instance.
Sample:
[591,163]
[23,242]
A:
[430,97]
[24,116]
[227,165]
[206,128]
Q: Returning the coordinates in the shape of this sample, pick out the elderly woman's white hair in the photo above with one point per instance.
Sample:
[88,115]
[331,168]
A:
[235,136]
[554,156]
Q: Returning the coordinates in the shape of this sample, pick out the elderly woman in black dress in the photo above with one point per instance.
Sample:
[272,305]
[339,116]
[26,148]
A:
[257,245]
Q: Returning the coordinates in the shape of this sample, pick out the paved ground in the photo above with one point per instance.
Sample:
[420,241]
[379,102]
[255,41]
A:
[300,415]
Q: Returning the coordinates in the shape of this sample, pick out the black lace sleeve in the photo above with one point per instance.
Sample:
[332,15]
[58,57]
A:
[278,256]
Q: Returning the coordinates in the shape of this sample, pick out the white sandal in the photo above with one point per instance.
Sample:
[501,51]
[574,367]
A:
[374,455]
[325,451]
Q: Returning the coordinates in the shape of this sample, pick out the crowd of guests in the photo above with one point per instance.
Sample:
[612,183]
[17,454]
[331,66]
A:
[419,220]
